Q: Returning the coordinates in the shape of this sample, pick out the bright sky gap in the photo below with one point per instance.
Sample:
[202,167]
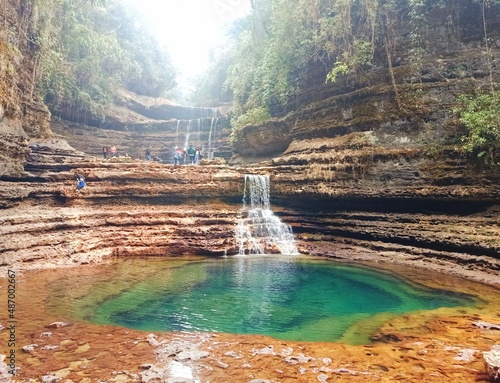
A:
[190,28]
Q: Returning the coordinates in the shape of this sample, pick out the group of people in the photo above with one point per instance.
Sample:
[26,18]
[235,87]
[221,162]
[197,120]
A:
[108,151]
[191,155]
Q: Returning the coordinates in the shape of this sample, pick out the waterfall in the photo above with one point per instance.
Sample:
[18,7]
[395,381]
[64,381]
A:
[186,143]
[261,229]
[199,128]
[177,132]
[211,134]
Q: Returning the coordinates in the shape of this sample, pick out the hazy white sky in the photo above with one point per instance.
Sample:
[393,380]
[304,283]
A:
[189,28]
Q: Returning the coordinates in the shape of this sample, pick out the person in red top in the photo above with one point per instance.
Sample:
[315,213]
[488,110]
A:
[178,156]
[112,151]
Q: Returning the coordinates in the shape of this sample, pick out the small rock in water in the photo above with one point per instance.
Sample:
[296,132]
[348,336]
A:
[152,340]
[297,359]
[466,354]
[486,325]
[193,355]
[49,347]
[261,381]
[269,350]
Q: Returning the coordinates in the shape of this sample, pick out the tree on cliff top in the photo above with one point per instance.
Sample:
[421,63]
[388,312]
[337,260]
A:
[89,49]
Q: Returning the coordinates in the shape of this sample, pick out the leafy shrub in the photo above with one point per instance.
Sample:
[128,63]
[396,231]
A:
[251,117]
[480,114]
[339,68]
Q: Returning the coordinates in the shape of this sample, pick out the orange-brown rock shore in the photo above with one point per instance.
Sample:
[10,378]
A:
[444,345]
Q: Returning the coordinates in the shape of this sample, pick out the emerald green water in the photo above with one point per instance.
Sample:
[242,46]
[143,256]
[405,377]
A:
[286,297]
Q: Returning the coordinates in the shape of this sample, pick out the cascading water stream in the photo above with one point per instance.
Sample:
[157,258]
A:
[198,129]
[186,142]
[177,132]
[259,229]
[211,134]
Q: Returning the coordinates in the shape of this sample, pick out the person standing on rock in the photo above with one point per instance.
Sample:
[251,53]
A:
[191,153]
[80,181]
[148,154]
[177,156]
[105,152]
[112,151]
[197,155]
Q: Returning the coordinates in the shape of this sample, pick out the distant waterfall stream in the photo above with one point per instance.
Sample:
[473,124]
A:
[258,228]
[200,130]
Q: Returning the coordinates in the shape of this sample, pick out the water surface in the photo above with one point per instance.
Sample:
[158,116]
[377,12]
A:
[286,297]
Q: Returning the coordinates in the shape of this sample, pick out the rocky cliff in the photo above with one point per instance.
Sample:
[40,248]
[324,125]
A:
[348,166]
[367,156]
[355,176]
[23,116]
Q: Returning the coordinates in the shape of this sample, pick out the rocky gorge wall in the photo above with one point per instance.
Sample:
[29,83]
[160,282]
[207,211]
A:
[356,179]
[140,208]
[356,176]
[22,115]
[354,138]
[351,154]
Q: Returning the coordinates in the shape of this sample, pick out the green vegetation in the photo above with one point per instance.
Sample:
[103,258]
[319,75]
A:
[339,68]
[251,117]
[480,114]
[286,44]
[90,49]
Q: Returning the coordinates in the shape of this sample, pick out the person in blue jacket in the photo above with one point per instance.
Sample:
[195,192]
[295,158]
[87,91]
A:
[80,181]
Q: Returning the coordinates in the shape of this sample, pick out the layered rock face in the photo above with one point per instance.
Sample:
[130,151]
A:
[127,208]
[354,176]
[365,159]
[22,115]
[140,208]
[347,164]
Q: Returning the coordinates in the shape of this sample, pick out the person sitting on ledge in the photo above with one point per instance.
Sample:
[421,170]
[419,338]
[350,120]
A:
[80,181]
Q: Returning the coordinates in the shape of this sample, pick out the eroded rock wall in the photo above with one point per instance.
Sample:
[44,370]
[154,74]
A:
[359,167]
[363,137]
[22,115]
